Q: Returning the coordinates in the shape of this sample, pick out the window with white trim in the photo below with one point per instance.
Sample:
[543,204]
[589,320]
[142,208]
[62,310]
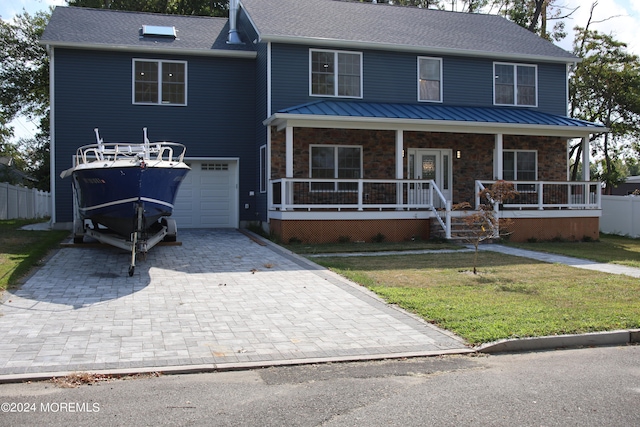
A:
[519,165]
[263,169]
[430,79]
[335,162]
[158,82]
[515,84]
[335,73]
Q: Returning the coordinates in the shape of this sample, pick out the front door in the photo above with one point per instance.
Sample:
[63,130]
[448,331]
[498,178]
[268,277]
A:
[429,164]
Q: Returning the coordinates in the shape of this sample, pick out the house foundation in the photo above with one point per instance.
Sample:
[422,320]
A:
[332,231]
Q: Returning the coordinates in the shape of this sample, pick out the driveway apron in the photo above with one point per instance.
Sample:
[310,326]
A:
[219,299]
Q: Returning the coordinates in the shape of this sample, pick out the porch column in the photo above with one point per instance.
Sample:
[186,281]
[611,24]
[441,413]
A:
[289,152]
[399,166]
[586,173]
[399,159]
[498,150]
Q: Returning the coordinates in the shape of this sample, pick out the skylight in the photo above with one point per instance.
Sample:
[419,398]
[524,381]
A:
[158,31]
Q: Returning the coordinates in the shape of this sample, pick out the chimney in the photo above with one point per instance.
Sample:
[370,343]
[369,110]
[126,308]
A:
[234,38]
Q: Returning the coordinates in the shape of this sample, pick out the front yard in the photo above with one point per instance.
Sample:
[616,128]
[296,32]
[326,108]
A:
[510,297]
[20,250]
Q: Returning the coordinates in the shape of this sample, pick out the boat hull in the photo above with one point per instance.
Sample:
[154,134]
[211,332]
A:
[110,196]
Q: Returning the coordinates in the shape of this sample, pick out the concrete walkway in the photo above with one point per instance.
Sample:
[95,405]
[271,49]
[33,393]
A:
[560,259]
[220,300]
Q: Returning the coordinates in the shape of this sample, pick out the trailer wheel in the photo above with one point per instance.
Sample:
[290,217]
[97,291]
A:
[78,231]
[172,229]
[131,270]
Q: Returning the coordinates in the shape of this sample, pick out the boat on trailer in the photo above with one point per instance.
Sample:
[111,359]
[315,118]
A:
[124,193]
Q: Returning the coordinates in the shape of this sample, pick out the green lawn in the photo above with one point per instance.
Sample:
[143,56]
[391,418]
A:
[350,247]
[511,297]
[20,250]
[609,249]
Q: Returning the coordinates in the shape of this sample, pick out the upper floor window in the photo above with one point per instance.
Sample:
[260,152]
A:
[336,73]
[159,82]
[430,79]
[515,84]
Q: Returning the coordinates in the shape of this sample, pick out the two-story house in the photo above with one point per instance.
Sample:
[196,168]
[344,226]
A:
[326,119]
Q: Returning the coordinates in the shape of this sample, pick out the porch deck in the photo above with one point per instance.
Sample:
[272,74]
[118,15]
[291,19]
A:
[314,199]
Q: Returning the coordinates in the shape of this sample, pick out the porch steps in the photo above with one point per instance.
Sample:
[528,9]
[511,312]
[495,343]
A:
[460,231]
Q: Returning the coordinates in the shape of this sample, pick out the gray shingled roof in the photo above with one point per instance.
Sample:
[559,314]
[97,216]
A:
[385,26]
[80,27]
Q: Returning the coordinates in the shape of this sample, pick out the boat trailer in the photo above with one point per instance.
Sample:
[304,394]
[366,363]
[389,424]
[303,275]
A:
[141,241]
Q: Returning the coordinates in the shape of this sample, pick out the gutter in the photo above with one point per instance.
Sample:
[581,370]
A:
[382,123]
[352,44]
[142,49]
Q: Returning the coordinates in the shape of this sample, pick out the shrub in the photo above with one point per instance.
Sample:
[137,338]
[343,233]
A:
[378,238]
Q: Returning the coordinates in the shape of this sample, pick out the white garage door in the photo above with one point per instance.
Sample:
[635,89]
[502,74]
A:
[208,196]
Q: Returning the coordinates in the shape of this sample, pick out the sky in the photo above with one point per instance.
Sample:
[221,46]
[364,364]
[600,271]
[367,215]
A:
[620,18]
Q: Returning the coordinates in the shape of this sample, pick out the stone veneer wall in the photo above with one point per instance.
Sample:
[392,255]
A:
[476,150]
[378,150]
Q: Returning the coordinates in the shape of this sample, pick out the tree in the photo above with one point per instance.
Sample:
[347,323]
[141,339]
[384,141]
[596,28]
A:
[484,224]
[535,15]
[24,69]
[24,91]
[179,7]
[605,88]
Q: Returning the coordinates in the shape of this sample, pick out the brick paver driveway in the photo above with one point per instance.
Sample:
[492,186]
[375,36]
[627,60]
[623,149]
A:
[218,300]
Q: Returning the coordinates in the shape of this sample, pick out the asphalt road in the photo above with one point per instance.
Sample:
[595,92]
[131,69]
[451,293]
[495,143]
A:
[583,387]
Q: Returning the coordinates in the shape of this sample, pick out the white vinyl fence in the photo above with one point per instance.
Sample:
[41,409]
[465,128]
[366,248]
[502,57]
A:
[621,215]
[26,203]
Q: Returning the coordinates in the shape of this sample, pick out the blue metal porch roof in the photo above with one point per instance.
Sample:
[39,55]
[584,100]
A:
[434,112]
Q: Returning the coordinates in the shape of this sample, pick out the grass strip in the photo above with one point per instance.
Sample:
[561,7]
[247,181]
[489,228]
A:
[511,297]
[351,247]
[21,250]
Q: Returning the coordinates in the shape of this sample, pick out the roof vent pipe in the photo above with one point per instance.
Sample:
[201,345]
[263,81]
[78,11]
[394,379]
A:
[234,38]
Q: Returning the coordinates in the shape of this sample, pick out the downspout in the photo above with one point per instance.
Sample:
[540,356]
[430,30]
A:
[52,136]
[233,38]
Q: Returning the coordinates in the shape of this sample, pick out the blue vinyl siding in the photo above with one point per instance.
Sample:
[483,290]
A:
[93,89]
[392,77]
[552,88]
[259,206]
[467,82]
[258,203]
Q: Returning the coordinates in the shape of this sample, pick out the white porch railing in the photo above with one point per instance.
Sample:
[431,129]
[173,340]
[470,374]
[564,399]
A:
[543,195]
[360,194]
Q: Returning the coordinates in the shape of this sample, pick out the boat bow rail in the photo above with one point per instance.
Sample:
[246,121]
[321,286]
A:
[171,152]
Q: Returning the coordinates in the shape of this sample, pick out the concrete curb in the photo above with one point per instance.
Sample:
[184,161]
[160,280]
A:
[593,339]
[236,366]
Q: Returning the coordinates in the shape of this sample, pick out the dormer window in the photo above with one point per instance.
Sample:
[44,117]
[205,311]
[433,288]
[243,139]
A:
[335,73]
[515,84]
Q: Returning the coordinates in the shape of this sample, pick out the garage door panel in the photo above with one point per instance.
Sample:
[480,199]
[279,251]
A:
[208,197]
